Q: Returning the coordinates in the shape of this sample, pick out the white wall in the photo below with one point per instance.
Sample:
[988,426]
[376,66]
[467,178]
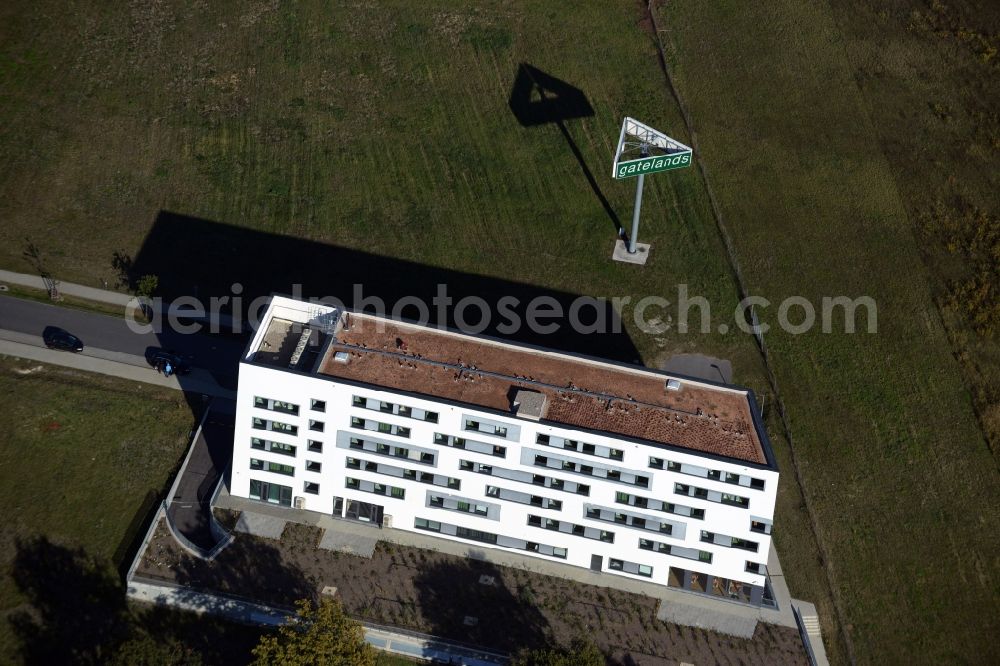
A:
[300,389]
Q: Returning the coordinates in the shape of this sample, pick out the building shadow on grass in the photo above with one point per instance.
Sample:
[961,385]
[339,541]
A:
[205,259]
[451,593]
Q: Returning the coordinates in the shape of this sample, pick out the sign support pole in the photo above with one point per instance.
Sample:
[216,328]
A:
[635,214]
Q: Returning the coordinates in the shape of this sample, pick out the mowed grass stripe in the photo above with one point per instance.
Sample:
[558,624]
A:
[894,465]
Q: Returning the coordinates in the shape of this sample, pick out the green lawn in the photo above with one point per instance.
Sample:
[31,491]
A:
[81,452]
[895,468]
[386,127]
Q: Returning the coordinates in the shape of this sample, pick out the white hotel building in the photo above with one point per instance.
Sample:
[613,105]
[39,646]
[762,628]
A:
[615,468]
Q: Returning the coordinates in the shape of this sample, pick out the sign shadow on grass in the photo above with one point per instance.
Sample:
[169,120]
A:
[538,98]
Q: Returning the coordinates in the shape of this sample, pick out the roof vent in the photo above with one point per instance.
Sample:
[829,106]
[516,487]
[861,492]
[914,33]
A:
[673,385]
[340,357]
[529,404]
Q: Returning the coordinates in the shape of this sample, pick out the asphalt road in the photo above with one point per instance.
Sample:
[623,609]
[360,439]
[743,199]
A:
[219,354]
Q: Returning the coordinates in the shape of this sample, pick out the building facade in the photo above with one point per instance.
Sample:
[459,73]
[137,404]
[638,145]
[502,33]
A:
[613,468]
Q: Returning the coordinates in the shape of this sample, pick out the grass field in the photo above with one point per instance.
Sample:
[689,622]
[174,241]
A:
[387,128]
[81,452]
[895,467]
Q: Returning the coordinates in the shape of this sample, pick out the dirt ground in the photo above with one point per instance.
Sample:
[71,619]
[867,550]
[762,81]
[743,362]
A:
[461,599]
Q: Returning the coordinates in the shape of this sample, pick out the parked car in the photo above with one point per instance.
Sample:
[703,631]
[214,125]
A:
[57,338]
[169,363]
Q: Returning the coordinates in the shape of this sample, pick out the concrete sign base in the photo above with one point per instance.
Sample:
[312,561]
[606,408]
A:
[621,253]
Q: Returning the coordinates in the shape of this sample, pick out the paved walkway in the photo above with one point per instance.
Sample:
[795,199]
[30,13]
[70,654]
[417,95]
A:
[190,505]
[116,364]
[89,293]
[67,288]
[675,605]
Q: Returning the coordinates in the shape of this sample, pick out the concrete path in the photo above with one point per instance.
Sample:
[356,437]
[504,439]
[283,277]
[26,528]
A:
[126,366]
[67,288]
[108,296]
[362,545]
[190,506]
[268,527]
[683,607]
[419,646]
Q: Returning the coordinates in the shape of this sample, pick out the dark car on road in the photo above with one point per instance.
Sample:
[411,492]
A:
[57,338]
[168,362]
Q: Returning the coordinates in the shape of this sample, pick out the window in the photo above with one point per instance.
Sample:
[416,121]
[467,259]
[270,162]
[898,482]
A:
[257,443]
[311,488]
[622,498]
[744,544]
[607,537]
[404,411]
[757,526]
[278,468]
[256,464]
[580,489]
[756,484]
[385,427]
[645,570]
[616,565]
[358,401]
[431,417]
[259,424]
[398,493]
[424,524]
[426,458]
[471,425]
[642,481]
[616,454]
[500,451]
[284,427]
[753,567]
[318,405]
[315,447]
[594,513]
[541,460]
[353,463]
[587,469]
[589,448]
[353,483]
[542,439]
[313,466]
[735,500]
[402,432]
[567,465]
[316,426]
[707,537]
[559,552]
[500,430]
[535,521]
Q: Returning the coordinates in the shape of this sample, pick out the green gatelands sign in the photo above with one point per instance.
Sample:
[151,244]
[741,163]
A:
[652,164]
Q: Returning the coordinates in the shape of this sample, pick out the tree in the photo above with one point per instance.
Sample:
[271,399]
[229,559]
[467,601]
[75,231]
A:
[146,286]
[582,653]
[318,635]
[144,650]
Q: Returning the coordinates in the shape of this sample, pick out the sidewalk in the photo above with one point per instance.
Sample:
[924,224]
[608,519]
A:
[91,293]
[115,364]
[67,288]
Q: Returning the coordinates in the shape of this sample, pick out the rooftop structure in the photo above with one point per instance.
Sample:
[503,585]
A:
[610,467]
